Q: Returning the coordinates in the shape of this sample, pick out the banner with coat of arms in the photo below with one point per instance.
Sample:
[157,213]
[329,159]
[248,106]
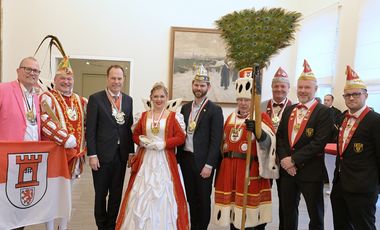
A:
[34,183]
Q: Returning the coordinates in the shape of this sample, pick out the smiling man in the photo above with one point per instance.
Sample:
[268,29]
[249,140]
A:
[63,120]
[302,135]
[274,108]
[19,105]
[109,142]
[199,155]
[356,177]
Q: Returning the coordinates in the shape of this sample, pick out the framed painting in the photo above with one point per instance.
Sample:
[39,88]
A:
[192,47]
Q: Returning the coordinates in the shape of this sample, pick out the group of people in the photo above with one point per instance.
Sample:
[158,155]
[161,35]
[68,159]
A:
[178,153]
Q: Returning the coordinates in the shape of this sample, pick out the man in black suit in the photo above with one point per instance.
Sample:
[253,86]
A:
[335,113]
[199,156]
[109,142]
[356,177]
[301,138]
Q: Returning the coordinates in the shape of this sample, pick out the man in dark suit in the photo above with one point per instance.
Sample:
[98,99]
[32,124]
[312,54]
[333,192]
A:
[109,142]
[356,177]
[199,156]
[335,113]
[301,138]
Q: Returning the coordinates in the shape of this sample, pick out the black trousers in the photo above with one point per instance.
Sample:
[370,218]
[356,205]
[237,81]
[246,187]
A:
[353,210]
[108,180]
[291,188]
[198,193]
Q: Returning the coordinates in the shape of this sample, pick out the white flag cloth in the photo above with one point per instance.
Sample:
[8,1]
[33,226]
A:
[34,183]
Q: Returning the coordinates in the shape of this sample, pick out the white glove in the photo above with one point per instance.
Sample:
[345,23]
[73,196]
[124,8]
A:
[157,145]
[144,141]
[71,142]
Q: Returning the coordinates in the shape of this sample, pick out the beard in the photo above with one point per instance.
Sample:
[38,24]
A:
[199,93]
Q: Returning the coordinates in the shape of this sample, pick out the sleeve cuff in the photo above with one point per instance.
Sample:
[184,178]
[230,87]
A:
[208,166]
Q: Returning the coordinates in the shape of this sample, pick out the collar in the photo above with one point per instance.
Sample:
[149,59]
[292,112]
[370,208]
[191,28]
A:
[112,94]
[309,104]
[357,113]
[25,91]
[281,102]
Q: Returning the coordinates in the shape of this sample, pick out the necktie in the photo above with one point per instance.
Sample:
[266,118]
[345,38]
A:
[350,116]
[280,104]
[301,106]
[115,98]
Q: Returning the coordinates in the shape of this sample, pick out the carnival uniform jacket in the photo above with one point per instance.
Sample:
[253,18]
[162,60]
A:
[12,112]
[308,151]
[359,166]
[102,130]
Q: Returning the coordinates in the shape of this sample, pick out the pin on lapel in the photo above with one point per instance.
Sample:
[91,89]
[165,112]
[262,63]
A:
[204,110]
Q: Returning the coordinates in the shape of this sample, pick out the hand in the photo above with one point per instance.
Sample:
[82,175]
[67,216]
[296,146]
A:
[71,142]
[94,163]
[157,145]
[250,125]
[292,171]
[287,163]
[206,172]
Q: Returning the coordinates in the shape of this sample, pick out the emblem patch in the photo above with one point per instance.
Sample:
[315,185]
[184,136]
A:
[26,178]
[309,132]
[358,147]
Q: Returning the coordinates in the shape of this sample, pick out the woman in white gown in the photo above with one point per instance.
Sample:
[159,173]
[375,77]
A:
[155,198]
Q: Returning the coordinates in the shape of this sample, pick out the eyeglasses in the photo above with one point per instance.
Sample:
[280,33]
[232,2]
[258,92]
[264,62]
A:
[31,70]
[354,95]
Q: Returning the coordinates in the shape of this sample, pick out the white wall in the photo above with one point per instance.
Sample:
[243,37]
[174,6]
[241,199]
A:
[127,29]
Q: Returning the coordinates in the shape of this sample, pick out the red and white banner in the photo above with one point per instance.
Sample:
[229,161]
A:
[34,183]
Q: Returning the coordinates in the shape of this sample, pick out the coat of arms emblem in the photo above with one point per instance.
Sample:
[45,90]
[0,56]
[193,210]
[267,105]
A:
[26,178]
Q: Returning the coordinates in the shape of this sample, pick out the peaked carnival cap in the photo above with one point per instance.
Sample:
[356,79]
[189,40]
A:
[64,67]
[353,81]
[307,73]
[280,76]
[243,85]
[202,74]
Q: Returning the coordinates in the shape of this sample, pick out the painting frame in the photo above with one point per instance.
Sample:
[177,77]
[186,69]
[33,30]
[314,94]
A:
[192,47]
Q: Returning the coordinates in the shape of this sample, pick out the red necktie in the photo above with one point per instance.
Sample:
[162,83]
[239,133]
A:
[301,106]
[350,116]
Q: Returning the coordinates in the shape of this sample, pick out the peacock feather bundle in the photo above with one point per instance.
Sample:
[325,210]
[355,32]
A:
[254,36]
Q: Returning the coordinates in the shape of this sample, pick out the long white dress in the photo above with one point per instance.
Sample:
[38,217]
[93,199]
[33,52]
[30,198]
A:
[152,203]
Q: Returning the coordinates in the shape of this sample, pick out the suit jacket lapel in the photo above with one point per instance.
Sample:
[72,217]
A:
[108,106]
[19,98]
[202,113]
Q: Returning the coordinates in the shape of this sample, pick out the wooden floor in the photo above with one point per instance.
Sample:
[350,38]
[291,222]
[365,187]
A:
[83,199]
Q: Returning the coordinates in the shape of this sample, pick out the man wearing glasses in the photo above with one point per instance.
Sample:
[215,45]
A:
[19,106]
[356,177]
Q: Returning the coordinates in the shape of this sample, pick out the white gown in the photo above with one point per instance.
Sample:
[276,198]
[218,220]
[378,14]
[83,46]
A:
[151,203]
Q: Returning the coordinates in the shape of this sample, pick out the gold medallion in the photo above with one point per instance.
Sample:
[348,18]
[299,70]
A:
[296,127]
[30,117]
[235,132]
[155,129]
[192,126]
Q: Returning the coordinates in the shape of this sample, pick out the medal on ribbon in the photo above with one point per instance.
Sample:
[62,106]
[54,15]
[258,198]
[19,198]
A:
[116,111]
[193,122]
